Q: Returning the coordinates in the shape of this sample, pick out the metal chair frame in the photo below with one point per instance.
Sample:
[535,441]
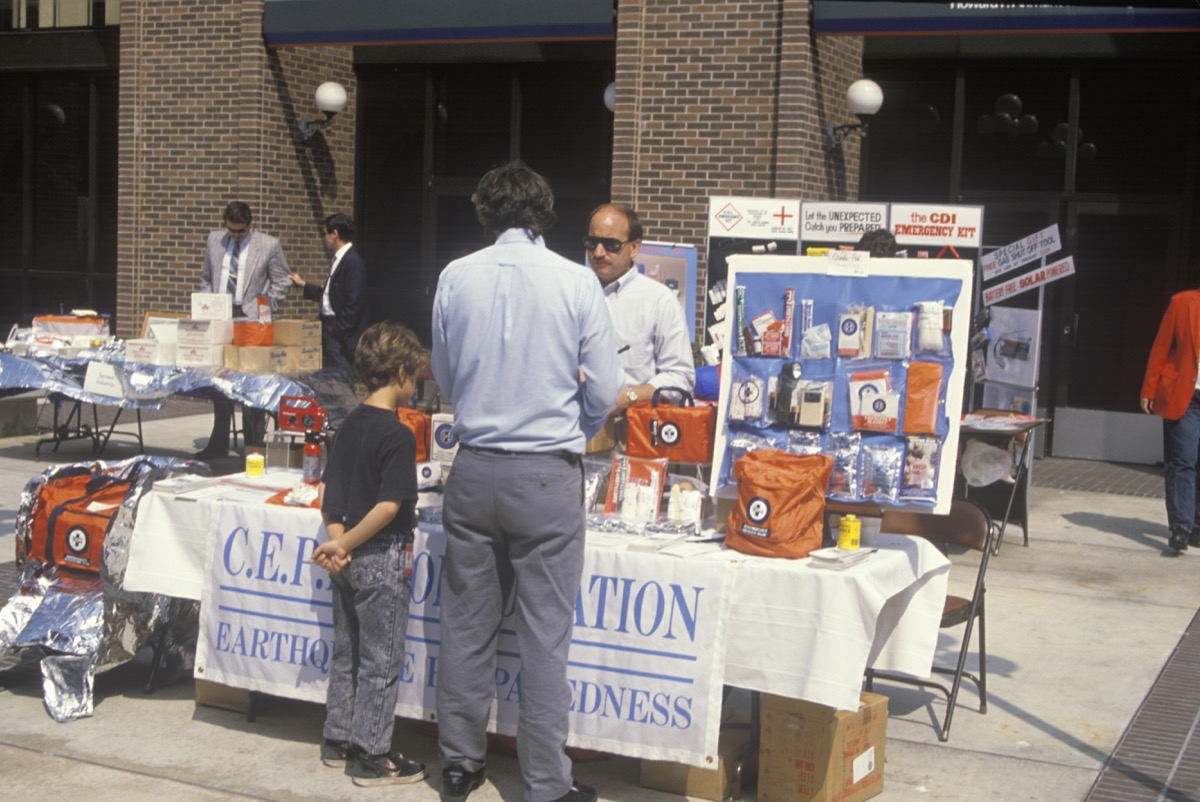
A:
[968,524]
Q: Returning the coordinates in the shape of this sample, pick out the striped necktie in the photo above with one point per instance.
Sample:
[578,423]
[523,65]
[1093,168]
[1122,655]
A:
[233,269]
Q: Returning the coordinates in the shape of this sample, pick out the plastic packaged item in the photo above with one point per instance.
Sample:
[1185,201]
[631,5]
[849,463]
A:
[930,323]
[844,447]
[920,468]
[882,469]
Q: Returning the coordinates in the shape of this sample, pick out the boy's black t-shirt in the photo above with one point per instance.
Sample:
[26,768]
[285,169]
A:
[373,459]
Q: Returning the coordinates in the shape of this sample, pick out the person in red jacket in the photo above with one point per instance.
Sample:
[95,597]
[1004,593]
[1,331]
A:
[1171,390]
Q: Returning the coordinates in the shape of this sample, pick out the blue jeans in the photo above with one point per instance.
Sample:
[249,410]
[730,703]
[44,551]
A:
[370,616]
[1181,449]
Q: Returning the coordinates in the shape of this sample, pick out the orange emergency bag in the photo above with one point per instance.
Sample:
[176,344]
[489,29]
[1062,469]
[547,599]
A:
[420,421]
[677,432]
[72,515]
[780,510]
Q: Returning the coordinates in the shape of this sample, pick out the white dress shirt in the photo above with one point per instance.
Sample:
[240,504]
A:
[326,307]
[652,335]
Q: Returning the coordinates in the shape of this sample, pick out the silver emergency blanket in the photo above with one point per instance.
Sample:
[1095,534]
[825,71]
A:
[145,386]
[67,681]
[91,618]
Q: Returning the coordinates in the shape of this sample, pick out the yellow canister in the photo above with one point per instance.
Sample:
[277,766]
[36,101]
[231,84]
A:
[849,530]
[255,464]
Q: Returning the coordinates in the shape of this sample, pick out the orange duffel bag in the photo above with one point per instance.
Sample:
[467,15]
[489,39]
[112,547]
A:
[72,515]
[780,510]
[677,432]
[420,421]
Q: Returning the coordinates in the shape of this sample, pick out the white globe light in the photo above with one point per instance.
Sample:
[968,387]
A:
[610,96]
[864,97]
[331,97]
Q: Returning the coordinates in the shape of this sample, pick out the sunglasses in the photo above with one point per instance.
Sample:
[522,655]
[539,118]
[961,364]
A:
[611,244]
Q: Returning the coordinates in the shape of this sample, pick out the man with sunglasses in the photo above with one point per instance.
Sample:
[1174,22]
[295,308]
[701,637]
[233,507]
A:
[246,264]
[652,336]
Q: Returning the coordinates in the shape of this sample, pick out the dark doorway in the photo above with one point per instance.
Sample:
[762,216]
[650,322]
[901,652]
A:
[427,134]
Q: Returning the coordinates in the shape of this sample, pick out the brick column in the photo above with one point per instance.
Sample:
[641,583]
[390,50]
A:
[722,98]
[209,115]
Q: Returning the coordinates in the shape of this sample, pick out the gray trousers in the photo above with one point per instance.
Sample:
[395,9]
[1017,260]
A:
[370,616]
[514,533]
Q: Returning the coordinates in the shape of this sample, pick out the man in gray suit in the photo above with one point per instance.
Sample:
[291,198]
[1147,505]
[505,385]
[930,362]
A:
[245,263]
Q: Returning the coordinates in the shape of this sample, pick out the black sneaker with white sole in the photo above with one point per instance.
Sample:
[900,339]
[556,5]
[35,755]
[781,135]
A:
[337,754]
[458,783]
[390,769]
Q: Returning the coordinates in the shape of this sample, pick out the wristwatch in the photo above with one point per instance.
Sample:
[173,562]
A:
[631,395]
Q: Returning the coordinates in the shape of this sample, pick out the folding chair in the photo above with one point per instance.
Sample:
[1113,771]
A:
[1006,502]
[968,524]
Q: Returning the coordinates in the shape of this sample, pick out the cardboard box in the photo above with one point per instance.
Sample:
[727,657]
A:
[231,358]
[198,355]
[308,357]
[212,306]
[443,443]
[813,753]
[150,352]
[215,694]
[723,782]
[285,359]
[205,332]
[255,359]
[165,331]
[297,332]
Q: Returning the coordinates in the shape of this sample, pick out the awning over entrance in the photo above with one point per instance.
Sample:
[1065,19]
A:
[842,17]
[361,22]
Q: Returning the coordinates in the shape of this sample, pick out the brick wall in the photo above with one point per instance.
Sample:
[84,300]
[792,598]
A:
[209,115]
[726,98]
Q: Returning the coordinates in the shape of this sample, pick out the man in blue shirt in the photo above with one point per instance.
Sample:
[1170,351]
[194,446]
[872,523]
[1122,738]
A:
[524,348]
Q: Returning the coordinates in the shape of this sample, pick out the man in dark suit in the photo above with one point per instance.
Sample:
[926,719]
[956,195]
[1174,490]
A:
[343,298]
[1171,390]
[245,263]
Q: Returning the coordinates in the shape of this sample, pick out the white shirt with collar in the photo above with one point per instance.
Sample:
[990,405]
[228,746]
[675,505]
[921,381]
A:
[326,307]
[652,336]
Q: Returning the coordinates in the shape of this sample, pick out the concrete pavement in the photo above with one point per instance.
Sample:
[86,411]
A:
[1079,625]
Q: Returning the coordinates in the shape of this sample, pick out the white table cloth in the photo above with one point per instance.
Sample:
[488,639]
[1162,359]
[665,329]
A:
[686,626]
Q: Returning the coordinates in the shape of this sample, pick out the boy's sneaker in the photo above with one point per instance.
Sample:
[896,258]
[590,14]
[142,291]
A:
[337,754]
[390,769]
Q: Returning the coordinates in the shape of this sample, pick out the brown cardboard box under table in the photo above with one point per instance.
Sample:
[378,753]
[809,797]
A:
[813,753]
[722,782]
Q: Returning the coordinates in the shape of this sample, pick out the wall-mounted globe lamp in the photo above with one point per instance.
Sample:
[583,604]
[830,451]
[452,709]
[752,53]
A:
[330,98]
[863,98]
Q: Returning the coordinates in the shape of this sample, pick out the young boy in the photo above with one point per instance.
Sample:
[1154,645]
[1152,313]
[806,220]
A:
[368,503]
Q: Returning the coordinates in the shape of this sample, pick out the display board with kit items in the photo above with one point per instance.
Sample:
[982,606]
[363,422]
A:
[857,358]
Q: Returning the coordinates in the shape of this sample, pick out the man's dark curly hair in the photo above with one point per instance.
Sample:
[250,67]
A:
[879,242]
[514,196]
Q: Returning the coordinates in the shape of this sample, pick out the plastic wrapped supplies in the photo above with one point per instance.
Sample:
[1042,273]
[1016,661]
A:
[983,464]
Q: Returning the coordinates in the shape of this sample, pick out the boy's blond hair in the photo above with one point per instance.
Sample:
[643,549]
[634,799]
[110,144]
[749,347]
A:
[384,349]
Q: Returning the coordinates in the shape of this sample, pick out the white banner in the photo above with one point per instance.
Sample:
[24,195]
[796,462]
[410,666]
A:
[1030,281]
[646,657]
[1024,251]
[754,218]
[928,224]
[832,221]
